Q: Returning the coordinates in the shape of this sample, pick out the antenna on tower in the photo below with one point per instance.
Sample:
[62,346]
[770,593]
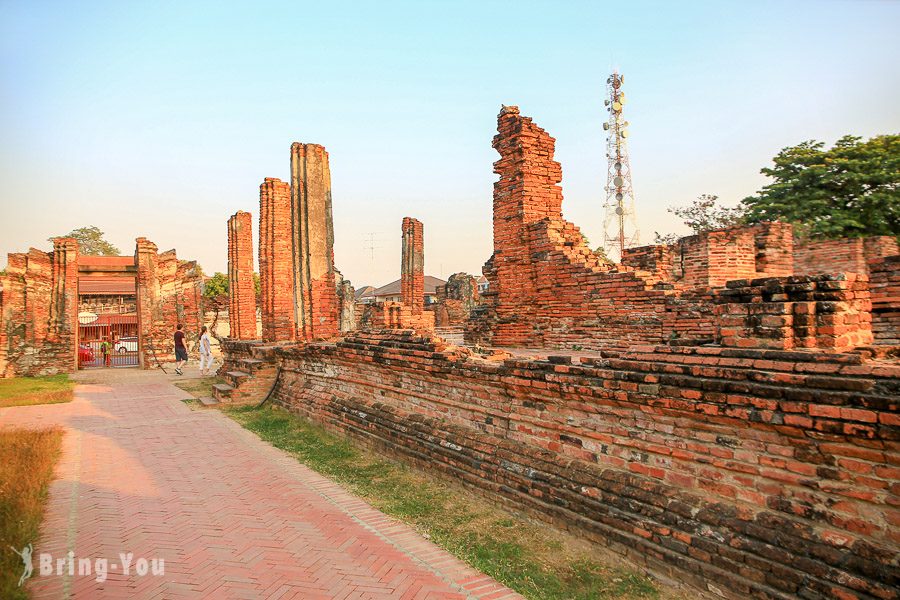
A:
[619,225]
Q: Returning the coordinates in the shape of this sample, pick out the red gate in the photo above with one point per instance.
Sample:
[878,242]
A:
[107,340]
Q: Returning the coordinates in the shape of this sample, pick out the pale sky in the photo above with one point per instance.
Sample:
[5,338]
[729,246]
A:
[160,119]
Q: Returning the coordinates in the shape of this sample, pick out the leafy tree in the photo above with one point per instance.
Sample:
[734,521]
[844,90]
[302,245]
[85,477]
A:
[90,241]
[850,190]
[704,214]
[216,286]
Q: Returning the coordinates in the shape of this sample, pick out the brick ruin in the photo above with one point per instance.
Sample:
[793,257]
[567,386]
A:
[410,312]
[39,304]
[456,300]
[316,308]
[242,296]
[549,290]
[723,410]
[39,311]
[275,259]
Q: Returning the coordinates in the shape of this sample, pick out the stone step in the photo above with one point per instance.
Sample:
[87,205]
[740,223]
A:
[222,391]
[207,401]
[237,377]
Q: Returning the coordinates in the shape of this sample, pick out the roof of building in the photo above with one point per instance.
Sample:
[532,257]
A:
[106,286]
[393,288]
[365,290]
[105,261]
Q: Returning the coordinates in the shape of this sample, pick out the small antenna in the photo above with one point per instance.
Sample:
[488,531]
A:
[370,244]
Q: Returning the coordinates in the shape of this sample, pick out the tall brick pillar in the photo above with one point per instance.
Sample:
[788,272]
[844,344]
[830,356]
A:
[63,323]
[316,309]
[275,261]
[526,193]
[242,297]
[412,267]
[148,301]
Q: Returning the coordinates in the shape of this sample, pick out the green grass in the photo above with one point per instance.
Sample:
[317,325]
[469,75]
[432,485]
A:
[25,391]
[27,459]
[533,559]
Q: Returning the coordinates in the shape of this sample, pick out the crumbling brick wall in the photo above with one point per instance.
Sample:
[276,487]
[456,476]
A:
[39,311]
[752,473]
[548,289]
[815,311]
[884,284]
[275,261]
[455,300]
[316,306]
[169,292]
[241,292]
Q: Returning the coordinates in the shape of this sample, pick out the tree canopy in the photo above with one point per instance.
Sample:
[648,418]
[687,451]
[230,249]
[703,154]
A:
[703,214]
[90,241]
[849,190]
[216,286]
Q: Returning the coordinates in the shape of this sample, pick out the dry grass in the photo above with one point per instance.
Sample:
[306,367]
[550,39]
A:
[27,459]
[25,391]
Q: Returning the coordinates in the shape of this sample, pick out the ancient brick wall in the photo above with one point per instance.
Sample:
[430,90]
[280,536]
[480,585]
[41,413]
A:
[275,261]
[548,289]
[817,311]
[242,295]
[455,300]
[751,473]
[884,284]
[815,256]
[169,292]
[39,311]
[316,307]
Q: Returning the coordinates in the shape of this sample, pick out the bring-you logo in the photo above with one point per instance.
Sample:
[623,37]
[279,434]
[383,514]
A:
[98,568]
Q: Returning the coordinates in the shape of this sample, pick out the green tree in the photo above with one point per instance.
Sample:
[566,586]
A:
[850,190]
[216,286]
[703,214]
[90,241]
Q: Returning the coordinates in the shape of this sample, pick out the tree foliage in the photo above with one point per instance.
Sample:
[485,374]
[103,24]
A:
[91,242]
[703,214]
[216,286]
[850,190]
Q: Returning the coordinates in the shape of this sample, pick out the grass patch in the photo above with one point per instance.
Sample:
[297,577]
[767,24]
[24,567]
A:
[25,391]
[27,458]
[533,559]
[198,387]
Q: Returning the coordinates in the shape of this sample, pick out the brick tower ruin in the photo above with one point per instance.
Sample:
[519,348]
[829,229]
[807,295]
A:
[316,307]
[412,267]
[242,296]
[275,261]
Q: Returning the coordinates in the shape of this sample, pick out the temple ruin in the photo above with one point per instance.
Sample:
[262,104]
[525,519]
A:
[43,332]
[722,410]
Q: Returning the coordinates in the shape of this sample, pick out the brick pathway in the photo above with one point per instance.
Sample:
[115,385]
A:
[231,516]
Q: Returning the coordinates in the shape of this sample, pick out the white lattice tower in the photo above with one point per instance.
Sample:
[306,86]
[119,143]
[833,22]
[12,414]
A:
[620,228]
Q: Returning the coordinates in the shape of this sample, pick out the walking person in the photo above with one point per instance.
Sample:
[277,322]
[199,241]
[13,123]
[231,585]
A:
[105,349]
[206,358]
[181,355]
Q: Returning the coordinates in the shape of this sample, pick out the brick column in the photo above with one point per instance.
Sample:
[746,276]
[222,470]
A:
[275,261]
[316,310]
[412,267]
[63,324]
[148,301]
[242,297]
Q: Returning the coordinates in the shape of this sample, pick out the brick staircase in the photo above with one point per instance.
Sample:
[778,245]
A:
[249,373]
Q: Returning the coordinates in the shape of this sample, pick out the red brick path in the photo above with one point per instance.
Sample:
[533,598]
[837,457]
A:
[232,516]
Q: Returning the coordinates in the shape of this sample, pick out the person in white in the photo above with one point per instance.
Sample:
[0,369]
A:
[206,358]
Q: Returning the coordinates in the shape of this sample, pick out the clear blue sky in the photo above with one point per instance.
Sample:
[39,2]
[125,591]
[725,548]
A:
[160,119]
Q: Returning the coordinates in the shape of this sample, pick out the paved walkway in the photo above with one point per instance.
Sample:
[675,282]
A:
[231,516]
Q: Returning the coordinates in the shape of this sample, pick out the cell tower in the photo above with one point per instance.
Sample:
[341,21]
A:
[620,225]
